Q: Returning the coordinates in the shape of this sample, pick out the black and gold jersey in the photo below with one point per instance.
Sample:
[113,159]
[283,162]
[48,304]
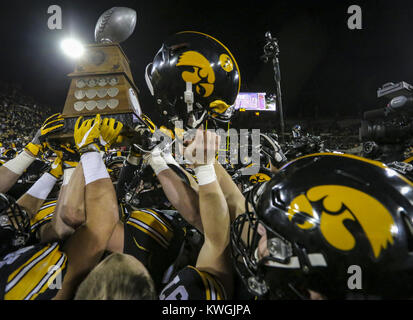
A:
[34,272]
[155,239]
[193,284]
[44,215]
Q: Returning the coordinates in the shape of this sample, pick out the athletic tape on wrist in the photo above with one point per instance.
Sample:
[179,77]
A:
[93,167]
[205,174]
[158,164]
[67,174]
[43,186]
[20,163]
[169,159]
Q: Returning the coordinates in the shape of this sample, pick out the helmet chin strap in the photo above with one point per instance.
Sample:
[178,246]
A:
[189,97]
[189,100]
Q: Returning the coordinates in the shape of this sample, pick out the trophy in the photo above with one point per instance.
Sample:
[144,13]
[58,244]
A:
[102,81]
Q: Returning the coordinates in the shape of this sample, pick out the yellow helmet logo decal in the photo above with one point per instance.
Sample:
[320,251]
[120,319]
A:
[218,106]
[167,132]
[342,203]
[203,75]
[226,62]
[259,177]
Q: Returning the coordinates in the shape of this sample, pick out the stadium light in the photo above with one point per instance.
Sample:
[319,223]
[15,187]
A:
[72,48]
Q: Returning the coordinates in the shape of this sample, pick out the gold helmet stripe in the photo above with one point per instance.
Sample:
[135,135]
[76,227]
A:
[408,160]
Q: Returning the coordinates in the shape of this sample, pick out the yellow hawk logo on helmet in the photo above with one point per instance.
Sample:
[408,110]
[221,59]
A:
[259,177]
[342,203]
[203,75]
[226,62]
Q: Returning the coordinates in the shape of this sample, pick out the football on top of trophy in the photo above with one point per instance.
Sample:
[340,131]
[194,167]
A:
[115,25]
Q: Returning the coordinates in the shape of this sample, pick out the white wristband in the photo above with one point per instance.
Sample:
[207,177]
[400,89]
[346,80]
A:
[67,174]
[93,167]
[169,159]
[42,187]
[157,163]
[20,163]
[205,174]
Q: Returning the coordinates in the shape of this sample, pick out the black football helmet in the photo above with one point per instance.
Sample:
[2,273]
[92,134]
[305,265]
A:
[114,161]
[9,154]
[14,225]
[195,58]
[324,214]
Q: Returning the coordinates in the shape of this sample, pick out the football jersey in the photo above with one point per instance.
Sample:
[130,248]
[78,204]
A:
[44,215]
[193,284]
[155,239]
[34,272]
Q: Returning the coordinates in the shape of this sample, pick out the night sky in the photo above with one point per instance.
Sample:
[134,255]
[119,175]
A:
[327,69]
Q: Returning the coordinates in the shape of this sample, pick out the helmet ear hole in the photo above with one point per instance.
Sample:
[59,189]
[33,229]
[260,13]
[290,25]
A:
[277,201]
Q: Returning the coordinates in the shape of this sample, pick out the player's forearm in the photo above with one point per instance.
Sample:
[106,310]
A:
[101,208]
[33,199]
[214,256]
[13,169]
[30,204]
[215,215]
[86,246]
[100,200]
[7,179]
[69,213]
[72,209]
[60,230]
[182,197]
[192,182]
[233,196]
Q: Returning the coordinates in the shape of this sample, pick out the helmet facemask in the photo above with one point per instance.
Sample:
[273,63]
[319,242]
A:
[283,272]
[14,225]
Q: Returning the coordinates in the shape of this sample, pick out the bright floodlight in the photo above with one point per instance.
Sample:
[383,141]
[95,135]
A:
[72,48]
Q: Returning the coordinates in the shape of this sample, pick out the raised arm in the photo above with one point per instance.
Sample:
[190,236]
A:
[214,255]
[13,169]
[33,199]
[70,208]
[233,196]
[85,247]
[181,195]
